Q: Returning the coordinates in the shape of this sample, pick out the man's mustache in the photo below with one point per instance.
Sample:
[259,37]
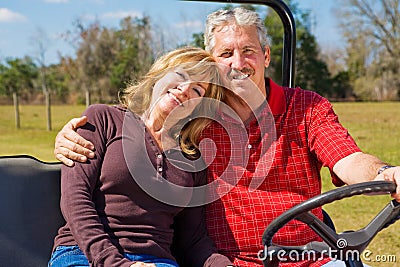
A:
[242,74]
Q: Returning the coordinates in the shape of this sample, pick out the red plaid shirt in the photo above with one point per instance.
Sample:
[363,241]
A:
[259,181]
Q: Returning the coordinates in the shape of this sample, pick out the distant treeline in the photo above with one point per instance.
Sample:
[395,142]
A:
[106,60]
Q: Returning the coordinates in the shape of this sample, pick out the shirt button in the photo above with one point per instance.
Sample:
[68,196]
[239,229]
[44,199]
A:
[249,146]
[159,156]
[160,169]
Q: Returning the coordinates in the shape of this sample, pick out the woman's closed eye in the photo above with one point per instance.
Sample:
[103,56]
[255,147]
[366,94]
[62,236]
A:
[181,75]
[198,91]
[200,88]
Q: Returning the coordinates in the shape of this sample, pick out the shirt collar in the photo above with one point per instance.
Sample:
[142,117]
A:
[276,98]
[276,101]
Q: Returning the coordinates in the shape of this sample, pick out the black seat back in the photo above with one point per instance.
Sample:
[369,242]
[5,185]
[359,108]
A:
[29,210]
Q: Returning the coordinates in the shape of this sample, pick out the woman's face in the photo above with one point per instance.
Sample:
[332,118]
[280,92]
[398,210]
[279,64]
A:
[177,92]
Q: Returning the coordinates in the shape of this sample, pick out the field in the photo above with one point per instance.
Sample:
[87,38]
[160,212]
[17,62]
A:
[375,127]
[33,138]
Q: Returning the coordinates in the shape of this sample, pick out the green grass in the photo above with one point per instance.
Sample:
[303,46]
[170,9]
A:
[374,126]
[32,137]
[376,129]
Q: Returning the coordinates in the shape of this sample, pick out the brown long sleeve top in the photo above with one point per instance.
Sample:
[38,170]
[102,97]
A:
[119,201]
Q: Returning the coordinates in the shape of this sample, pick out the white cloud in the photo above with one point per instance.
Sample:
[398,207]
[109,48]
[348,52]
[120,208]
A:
[56,1]
[7,15]
[121,14]
[189,24]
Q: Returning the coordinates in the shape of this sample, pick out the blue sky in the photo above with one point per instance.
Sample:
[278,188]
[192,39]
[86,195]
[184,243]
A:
[21,20]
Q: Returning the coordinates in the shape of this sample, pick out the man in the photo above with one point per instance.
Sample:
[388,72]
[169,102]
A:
[308,136]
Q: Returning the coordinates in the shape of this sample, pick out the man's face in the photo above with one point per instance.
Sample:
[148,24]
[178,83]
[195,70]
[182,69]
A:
[239,48]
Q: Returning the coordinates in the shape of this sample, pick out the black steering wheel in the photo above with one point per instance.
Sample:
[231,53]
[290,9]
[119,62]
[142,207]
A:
[348,246]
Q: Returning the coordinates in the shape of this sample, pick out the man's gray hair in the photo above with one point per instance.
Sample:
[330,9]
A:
[239,16]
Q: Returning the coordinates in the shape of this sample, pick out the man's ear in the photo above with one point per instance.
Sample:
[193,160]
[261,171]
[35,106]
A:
[267,56]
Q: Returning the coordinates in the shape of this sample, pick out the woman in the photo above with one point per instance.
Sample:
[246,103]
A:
[112,218]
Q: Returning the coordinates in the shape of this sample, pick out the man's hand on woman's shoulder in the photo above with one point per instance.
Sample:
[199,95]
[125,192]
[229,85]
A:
[70,146]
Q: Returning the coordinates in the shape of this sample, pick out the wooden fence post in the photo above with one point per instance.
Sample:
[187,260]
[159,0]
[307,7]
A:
[16,108]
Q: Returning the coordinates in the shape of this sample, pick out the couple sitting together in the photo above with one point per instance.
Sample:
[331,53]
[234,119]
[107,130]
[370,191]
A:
[199,157]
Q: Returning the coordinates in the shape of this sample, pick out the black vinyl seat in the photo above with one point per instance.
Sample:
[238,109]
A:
[29,211]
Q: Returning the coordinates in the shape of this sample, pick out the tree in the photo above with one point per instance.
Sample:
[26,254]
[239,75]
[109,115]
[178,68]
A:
[16,78]
[311,71]
[341,87]
[134,55]
[56,79]
[95,51]
[108,59]
[371,30]
[40,41]
[198,40]
[275,31]
[94,57]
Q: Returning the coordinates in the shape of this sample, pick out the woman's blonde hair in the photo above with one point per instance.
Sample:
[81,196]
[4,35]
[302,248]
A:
[194,61]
